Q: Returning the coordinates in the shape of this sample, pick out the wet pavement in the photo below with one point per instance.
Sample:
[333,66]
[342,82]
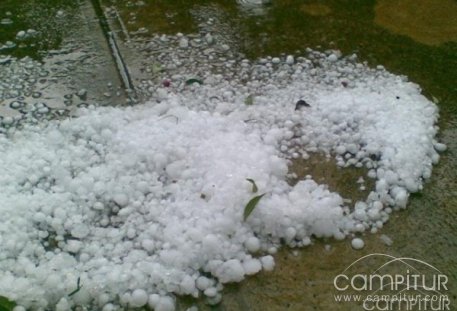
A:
[71,63]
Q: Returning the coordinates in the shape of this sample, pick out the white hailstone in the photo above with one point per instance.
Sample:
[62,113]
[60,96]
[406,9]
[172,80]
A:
[210,292]
[290,233]
[357,243]
[187,285]
[332,57]
[209,38]
[19,308]
[8,121]
[372,174]
[268,263]
[109,307]
[340,149]
[138,298]
[153,300]
[373,214]
[121,199]
[359,227]
[440,147]
[214,300]
[276,60]
[21,34]
[252,266]
[63,305]
[360,214]
[165,304]
[230,271]
[148,245]
[290,59]
[203,283]
[73,246]
[80,230]
[184,43]
[252,244]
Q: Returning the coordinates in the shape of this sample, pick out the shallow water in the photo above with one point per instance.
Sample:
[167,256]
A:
[303,278]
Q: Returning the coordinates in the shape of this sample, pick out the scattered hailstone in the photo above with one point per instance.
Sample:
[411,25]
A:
[440,147]
[21,34]
[357,243]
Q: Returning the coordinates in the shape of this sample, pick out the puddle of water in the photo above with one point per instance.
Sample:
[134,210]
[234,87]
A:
[427,21]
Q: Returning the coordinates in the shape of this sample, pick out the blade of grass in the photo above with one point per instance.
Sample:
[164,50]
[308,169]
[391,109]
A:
[78,287]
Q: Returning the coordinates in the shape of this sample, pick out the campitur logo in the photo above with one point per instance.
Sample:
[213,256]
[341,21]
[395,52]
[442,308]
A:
[389,283]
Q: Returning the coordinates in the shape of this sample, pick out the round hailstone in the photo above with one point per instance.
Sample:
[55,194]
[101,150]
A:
[252,244]
[268,263]
[290,60]
[165,304]
[20,34]
[139,298]
[357,243]
[121,199]
[80,231]
[184,43]
[440,147]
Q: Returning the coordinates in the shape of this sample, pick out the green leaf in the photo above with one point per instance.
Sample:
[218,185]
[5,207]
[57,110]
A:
[251,206]
[249,100]
[254,186]
[193,80]
[6,304]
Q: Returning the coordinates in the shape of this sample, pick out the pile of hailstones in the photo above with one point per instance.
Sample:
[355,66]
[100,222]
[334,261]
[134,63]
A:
[124,207]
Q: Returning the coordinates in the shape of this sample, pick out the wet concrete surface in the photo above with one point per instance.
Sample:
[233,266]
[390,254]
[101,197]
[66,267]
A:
[76,70]
[303,278]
